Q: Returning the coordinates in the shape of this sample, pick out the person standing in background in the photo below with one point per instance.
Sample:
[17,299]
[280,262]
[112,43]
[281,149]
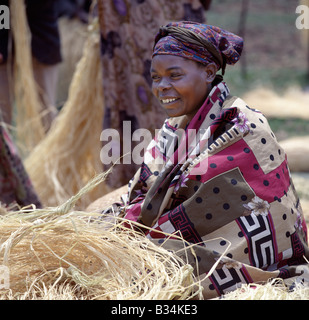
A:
[42,18]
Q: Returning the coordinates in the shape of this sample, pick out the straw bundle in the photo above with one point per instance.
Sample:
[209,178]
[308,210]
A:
[29,124]
[293,103]
[69,155]
[57,253]
[297,150]
[93,262]
[273,290]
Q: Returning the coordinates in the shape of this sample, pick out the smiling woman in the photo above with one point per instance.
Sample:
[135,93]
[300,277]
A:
[181,85]
[226,191]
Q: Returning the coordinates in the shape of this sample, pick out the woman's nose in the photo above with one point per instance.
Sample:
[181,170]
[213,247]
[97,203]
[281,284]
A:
[164,84]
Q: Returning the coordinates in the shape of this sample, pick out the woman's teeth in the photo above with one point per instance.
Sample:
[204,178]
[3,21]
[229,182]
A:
[168,100]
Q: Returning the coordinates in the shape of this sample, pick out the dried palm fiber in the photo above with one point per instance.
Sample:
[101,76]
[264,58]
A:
[301,183]
[272,290]
[297,150]
[292,103]
[29,125]
[61,253]
[68,156]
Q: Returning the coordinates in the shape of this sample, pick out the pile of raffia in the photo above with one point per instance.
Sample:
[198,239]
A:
[60,253]
[275,289]
[293,103]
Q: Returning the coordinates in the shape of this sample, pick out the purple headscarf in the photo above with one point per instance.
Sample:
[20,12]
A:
[199,42]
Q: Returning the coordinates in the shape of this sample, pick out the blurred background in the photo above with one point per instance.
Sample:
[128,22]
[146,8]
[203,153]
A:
[275,57]
[275,53]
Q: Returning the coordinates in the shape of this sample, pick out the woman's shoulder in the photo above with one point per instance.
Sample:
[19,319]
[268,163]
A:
[260,137]
[252,114]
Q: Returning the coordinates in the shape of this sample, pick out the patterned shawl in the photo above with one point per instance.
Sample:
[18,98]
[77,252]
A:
[221,181]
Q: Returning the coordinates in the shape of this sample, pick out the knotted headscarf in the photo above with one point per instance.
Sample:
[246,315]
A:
[199,42]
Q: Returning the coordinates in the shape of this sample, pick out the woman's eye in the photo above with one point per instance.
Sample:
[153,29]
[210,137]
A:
[155,77]
[175,75]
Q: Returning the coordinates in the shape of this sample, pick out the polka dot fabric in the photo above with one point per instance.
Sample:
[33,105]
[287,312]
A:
[231,195]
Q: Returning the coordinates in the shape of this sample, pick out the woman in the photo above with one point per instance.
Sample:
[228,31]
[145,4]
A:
[215,174]
[127,28]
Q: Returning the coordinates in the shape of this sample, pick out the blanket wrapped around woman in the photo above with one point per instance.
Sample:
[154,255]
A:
[235,189]
[220,180]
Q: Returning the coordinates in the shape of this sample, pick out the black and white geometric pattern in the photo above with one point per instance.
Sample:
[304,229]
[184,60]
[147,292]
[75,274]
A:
[260,236]
[225,280]
[169,140]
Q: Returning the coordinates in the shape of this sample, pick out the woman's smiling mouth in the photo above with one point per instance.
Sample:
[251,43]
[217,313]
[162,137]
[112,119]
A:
[168,100]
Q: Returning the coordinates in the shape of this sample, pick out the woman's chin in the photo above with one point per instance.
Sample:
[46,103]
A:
[173,112]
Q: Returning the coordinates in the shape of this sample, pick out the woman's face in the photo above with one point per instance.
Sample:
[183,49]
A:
[181,85]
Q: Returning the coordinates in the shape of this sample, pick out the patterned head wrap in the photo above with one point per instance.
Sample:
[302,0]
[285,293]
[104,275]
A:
[199,42]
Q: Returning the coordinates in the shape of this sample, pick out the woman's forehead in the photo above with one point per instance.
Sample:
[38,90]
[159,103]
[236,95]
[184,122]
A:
[169,62]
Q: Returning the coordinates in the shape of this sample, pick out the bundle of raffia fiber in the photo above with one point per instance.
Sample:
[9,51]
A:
[273,290]
[59,253]
[292,103]
[69,155]
[29,124]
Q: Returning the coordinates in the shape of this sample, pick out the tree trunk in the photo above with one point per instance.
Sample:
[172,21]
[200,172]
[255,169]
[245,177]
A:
[242,32]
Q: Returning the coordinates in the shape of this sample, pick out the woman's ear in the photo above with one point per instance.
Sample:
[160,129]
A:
[211,71]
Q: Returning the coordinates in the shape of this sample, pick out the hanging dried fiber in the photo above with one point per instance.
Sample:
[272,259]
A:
[69,156]
[29,126]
